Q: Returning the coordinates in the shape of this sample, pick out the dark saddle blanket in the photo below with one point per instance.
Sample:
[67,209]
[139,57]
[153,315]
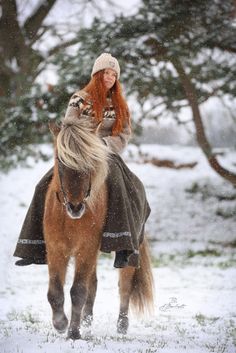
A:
[127,212]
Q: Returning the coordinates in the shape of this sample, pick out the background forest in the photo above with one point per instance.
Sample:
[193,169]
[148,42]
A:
[178,61]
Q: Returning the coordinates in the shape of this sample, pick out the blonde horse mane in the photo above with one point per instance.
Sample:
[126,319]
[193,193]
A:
[79,148]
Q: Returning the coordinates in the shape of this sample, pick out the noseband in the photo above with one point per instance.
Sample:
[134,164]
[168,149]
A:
[62,191]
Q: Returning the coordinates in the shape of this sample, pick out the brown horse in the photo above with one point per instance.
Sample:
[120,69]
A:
[75,211]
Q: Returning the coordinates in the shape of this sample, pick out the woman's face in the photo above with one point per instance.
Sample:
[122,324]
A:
[109,78]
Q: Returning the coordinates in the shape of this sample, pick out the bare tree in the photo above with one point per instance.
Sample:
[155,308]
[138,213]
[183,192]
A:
[31,34]
[21,60]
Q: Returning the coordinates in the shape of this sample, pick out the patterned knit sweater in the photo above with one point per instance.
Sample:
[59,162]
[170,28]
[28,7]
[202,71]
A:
[80,106]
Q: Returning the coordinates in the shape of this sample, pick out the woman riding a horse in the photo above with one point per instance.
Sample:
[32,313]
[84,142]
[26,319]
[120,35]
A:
[90,201]
[102,103]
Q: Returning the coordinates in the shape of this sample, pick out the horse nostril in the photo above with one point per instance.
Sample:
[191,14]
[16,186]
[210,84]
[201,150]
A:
[75,208]
[78,207]
[75,211]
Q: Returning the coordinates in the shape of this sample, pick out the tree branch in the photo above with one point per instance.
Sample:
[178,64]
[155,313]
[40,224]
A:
[43,30]
[222,46]
[191,95]
[64,45]
[34,22]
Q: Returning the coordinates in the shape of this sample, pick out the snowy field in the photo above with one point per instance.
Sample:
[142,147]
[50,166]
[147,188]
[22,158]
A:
[192,233]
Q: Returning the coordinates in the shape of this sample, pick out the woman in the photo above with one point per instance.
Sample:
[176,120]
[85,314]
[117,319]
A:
[102,103]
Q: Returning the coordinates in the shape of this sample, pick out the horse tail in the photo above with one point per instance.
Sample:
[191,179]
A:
[142,294]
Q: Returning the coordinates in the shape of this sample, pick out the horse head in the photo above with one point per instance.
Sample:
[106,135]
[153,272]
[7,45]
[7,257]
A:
[80,165]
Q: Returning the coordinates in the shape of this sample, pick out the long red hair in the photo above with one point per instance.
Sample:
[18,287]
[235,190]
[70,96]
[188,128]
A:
[98,94]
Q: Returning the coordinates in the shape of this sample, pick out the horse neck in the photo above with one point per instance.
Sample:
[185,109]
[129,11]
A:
[98,186]
[56,184]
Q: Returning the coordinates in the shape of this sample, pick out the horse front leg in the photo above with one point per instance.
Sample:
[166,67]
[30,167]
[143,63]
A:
[125,289]
[78,294]
[57,270]
[88,307]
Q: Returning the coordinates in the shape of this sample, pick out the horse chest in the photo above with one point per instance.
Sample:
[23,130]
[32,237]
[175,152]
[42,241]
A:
[81,234]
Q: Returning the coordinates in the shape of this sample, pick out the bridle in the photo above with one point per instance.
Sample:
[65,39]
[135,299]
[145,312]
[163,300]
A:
[62,190]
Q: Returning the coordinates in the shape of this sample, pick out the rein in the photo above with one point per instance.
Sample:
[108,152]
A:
[65,200]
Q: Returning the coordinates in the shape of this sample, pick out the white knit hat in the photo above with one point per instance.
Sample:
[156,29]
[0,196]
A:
[106,61]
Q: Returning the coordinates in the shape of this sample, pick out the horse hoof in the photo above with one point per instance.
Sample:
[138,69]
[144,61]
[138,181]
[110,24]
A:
[60,323]
[122,325]
[73,334]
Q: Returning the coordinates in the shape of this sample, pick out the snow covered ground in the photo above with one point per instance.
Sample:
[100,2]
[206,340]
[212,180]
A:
[192,232]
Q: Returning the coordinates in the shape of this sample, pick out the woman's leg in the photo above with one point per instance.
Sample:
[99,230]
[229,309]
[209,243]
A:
[127,213]
[31,245]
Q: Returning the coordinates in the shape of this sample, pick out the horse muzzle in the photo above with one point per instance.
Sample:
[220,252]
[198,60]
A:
[75,212]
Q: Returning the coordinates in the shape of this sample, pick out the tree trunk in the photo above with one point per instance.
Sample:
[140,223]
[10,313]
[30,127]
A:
[200,132]
[16,49]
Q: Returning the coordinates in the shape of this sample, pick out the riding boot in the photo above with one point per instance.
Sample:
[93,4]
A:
[31,245]
[121,259]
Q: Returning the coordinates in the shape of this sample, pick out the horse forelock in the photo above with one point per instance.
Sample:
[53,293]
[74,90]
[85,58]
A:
[80,149]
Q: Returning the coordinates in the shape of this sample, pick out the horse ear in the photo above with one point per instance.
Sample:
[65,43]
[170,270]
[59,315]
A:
[54,128]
